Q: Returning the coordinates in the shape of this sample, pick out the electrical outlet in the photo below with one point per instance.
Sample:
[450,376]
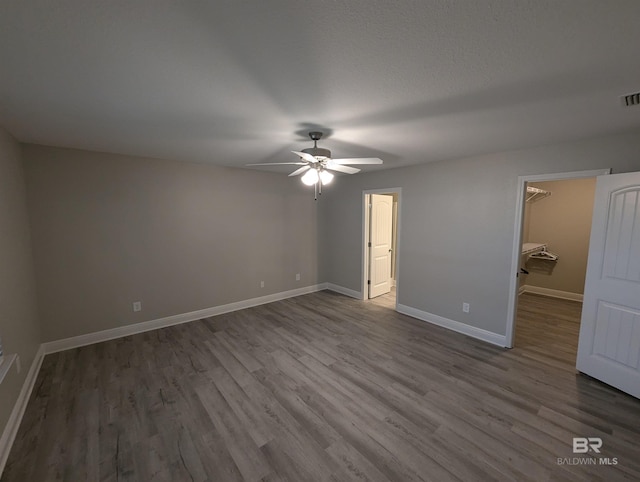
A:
[298,277]
[137,306]
[261,284]
[465,307]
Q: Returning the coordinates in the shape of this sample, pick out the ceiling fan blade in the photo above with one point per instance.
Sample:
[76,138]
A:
[278,164]
[299,171]
[305,156]
[339,168]
[360,160]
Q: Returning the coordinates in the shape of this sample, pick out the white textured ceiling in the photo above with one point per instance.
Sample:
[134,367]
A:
[239,81]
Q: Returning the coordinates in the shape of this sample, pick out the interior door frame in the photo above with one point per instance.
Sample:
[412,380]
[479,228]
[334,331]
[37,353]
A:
[365,238]
[517,238]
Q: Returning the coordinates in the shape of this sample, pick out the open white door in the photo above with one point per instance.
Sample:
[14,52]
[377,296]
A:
[380,252]
[609,345]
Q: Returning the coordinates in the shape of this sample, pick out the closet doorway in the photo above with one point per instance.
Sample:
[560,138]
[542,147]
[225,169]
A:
[380,235]
[554,222]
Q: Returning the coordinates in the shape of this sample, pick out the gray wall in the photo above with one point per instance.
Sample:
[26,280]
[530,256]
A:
[18,312]
[457,224]
[109,230]
[563,221]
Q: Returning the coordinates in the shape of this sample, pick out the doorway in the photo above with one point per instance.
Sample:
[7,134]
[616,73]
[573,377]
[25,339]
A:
[549,259]
[380,238]
[556,231]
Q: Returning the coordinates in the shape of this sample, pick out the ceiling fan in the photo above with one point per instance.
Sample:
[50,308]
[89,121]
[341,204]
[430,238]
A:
[317,163]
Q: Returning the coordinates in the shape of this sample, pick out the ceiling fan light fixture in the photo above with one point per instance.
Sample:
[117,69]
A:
[317,163]
[311,177]
[326,177]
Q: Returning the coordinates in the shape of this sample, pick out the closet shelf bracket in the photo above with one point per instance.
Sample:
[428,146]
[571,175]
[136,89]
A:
[536,194]
[528,248]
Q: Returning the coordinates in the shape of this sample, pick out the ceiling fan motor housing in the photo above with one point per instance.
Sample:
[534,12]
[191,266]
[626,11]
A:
[315,150]
[318,152]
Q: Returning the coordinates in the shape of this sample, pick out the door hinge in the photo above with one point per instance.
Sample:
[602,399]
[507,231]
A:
[368,281]
[369,243]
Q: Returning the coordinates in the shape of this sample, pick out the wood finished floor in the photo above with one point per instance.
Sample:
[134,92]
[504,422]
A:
[386,301]
[324,387]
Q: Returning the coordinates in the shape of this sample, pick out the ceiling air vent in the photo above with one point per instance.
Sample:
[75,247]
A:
[630,99]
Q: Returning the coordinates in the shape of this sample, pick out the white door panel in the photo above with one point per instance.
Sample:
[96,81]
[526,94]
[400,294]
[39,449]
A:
[609,345]
[380,252]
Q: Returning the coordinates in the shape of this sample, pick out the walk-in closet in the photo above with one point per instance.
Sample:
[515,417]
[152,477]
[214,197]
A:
[555,233]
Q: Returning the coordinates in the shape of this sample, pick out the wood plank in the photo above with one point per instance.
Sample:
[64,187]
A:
[325,387]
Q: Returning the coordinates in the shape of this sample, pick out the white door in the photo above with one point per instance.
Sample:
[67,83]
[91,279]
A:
[380,252]
[609,345]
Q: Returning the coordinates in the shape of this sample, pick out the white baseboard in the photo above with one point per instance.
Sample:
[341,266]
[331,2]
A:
[472,331]
[344,291]
[11,428]
[565,295]
[119,332]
